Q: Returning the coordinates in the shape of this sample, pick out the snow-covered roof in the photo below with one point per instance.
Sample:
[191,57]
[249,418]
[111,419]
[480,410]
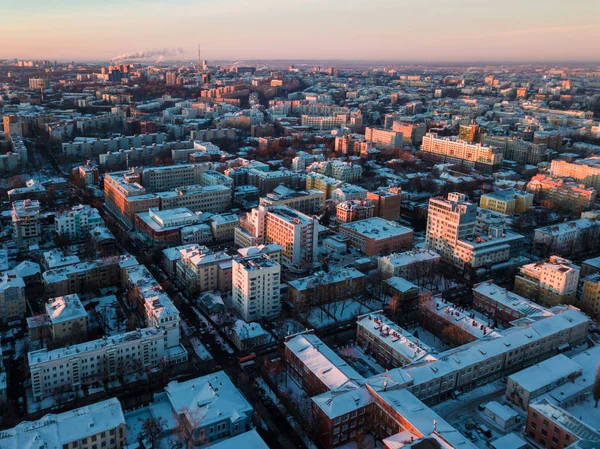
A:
[211,398]
[393,336]
[250,439]
[65,308]
[322,361]
[509,441]
[410,257]
[247,331]
[55,258]
[400,284]
[54,431]
[546,373]
[376,228]
[502,411]
[510,300]
[322,278]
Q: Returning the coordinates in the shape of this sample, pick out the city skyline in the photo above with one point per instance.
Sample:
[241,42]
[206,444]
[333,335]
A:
[381,30]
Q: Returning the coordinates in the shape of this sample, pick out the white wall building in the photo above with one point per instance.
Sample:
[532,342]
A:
[255,287]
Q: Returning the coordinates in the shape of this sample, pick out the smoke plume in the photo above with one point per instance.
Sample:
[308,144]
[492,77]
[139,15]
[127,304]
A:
[159,54]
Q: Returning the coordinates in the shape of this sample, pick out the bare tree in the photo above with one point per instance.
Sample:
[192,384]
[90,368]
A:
[186,428]
[152,427]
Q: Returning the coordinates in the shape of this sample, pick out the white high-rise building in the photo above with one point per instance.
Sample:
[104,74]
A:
[296,232]
[448,221]
[255,287]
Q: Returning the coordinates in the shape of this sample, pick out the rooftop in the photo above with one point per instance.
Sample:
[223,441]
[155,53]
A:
[54,431]
[65,308]
[322,361]
[377,228]
[393,336]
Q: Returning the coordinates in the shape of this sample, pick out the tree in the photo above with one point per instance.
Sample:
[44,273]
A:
[186,424]
[152,427]
[596,390]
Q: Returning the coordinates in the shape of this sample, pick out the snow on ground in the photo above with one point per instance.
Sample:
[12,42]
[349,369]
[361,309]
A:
[429,339]
[107,315]
[268,392]
[365,365]
[286,327]
[318,318]
[224,345]
[200,349]
[187,330]
[346,310]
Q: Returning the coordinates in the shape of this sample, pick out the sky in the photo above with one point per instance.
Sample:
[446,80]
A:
[395,30]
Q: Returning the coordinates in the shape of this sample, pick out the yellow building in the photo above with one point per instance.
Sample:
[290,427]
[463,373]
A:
[508,202]
[590,297]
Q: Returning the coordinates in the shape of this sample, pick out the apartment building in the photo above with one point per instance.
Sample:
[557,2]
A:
[159,179]
[451,225]
[568,238]
[323,183]
[507,202]
[309,202]
[26,222]
[101,425]
[12,297]
[224,410]
[455,325]
[387,342]
[411,265]
[549,283]
[387,202]
[532,382]
[390,404]
[560,194]
[125,195]
[223,226]
[412,133]
[518,150]
[552,427]
[456,151]
[86,276]
[348,192]
[255,287]
[154,304]
[351,144]
[321,287]
[303,160]
[590,295]
[267,181]
[77,222]
[375,235]
[315,366]
[448,221]
[93,146]
[199,269]
[585,171]
[383,138]
[215,199]
[89,363]
[343,171]
[67,318]
[295,232]
[504,306]
[324,122]
[354,210]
